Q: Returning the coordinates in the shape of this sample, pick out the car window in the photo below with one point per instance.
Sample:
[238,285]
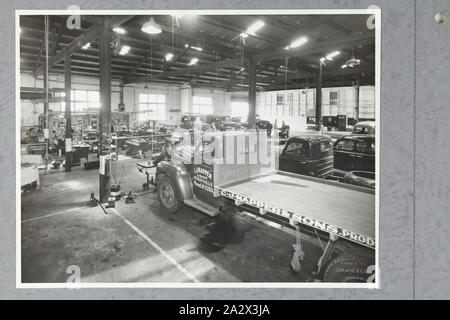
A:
[324,146]
[346,145]
[363,130]
[321,150]
[297,148]
[365,147]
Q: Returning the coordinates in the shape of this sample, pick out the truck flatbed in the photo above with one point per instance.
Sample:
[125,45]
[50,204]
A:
[344,210]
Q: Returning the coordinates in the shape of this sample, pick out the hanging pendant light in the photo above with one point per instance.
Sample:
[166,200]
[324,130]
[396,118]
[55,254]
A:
[151,27]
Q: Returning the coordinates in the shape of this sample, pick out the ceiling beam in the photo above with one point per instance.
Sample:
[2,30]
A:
[89,35]
[314,49]
[195,69]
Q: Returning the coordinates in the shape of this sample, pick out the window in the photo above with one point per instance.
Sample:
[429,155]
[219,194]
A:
[324,146]
[291,104]
[202,105]
[152,107]
[280,98]
[321,150]
[333,98]
[365,147]
[82,100]
[298,149]
[362,129]
[346,145]
[239,109]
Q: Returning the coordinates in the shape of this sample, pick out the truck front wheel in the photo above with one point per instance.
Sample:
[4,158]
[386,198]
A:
[349,268]
[167,195]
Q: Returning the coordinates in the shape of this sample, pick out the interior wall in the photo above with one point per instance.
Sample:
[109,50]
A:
[301,104]
[179,100]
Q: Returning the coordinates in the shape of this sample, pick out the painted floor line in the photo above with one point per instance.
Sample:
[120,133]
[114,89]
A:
[157,247]
[53,214]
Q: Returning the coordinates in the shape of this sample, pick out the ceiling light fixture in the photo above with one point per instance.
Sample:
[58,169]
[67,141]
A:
[86,46]
[352,62]
[255,27]
[197,48]
[297,43]
[119,30]
[243,35]
[193,61]
[151,27]
[169,56]
[330,56]
[124,50]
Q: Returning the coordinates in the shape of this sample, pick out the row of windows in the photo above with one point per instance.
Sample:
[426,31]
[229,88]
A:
[150,106]
[80,101]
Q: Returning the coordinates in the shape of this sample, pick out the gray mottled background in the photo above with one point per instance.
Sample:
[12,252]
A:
[415,153]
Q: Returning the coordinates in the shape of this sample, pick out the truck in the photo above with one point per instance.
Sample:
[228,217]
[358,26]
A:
[341,217]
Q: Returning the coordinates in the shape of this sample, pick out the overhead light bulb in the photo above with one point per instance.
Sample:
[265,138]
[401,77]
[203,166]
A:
[151,27]
[298,42]
[197,48]
[186,45]
[169,56]
[255,27]
[243,35]
[330,56]
[86,46]
[124,50]
[119,30]
[193,61]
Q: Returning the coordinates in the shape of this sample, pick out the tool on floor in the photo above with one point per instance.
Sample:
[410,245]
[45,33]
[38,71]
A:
[298,254]
[130,198]
[93,202]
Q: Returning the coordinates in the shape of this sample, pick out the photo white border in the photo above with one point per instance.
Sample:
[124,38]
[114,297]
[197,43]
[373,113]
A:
[373,11]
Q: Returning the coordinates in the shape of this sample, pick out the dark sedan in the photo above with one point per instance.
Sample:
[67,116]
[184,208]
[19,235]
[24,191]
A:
[354,152]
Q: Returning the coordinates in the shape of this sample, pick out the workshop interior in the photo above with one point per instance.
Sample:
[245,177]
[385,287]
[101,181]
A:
[128,123]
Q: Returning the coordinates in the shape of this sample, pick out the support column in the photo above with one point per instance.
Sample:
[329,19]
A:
[252,93]
[356,103]
[104,146]
[46,125]
[319,98]
[67,112]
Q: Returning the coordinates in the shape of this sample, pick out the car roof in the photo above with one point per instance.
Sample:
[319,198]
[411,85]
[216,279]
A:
[366,123]
[311,138]
[357,137]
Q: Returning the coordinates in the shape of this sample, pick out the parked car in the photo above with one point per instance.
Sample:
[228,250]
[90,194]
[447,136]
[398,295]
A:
[264,125]
[360,178]
[354,152]
[309,155]
[364,127]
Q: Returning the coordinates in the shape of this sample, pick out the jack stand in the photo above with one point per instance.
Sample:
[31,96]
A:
[298,255]
[326,255]
[92,201]
[130,198]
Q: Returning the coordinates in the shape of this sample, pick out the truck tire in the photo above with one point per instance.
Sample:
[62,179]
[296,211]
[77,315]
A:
[349,268]
[167,195]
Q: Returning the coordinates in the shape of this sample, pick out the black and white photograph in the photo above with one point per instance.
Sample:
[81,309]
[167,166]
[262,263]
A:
[206,148]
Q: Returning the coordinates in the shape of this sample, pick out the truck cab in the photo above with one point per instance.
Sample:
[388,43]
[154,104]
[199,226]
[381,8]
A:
[199,163]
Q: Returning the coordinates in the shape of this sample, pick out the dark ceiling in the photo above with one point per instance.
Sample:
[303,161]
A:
[223,61]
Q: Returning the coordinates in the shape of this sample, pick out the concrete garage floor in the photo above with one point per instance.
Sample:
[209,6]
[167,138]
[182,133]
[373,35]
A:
[141,243]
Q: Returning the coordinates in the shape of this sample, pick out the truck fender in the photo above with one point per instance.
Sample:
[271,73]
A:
[179,175]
